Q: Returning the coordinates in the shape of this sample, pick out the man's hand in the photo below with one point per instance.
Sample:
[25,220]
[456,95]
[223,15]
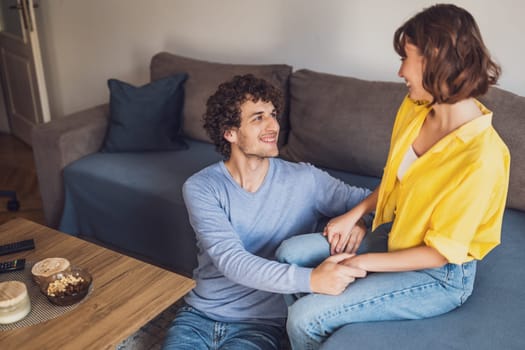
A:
[332,278]
[352,261]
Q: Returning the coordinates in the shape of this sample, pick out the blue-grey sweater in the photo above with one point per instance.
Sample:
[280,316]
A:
[238,232]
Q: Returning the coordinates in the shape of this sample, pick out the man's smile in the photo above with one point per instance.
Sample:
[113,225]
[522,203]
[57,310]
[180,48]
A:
[269,138]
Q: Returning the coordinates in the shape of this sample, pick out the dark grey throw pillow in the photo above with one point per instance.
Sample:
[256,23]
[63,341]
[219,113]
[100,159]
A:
[146,118]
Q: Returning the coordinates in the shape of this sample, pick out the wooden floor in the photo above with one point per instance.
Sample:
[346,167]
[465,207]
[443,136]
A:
[17,172]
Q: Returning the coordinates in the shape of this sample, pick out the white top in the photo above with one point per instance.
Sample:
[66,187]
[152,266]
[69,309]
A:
[410,157]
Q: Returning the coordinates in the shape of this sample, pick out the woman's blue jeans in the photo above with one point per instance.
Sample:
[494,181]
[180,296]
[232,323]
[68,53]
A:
[377,297]
[191,329]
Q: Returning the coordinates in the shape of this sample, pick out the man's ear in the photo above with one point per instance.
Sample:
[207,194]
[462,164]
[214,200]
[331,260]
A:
[230,135]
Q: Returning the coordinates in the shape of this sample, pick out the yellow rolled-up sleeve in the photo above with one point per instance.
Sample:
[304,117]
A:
[466,223]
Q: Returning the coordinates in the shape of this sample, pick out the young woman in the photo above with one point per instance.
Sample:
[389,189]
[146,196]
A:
[443,189]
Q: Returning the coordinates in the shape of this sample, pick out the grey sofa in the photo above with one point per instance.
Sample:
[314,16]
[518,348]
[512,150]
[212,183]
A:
[132,202]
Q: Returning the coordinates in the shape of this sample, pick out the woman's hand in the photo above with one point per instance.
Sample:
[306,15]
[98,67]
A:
[345,233]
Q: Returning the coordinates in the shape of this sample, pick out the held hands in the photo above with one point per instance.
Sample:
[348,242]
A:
[352,261]
[345,233]
[331,277]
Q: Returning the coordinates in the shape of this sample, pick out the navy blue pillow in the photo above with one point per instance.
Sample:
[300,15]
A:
[146,118]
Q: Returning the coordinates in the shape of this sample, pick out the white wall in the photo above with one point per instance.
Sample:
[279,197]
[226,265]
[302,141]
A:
[87,42]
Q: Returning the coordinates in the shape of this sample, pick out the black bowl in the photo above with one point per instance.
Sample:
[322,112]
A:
[67,288]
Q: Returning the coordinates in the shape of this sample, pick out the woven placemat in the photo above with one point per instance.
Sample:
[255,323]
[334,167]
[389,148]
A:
[41,308]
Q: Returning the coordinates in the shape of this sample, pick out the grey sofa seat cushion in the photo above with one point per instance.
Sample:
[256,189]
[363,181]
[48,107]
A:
[203,80]
[133,201]
[340,122]
[492,318]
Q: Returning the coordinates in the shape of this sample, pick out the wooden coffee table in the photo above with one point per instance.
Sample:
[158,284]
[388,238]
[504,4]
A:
[127,293]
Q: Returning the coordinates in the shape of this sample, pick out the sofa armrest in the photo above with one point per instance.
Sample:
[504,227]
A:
[60,142]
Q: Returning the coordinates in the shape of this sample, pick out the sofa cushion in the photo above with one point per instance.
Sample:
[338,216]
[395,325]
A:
[203,80]
[509,121]
[492,318]
[146,118]
[340,122]
[132,202]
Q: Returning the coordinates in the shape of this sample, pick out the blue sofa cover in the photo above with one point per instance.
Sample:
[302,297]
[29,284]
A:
[492,318]
[148,185]
[132,202]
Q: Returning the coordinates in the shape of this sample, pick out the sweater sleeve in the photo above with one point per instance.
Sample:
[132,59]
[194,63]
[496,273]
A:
[334,197]
[219,240]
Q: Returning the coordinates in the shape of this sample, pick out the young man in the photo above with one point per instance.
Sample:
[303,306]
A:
[241,210]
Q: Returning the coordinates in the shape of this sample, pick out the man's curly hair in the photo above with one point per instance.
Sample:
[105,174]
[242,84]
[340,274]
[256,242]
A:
[223,108]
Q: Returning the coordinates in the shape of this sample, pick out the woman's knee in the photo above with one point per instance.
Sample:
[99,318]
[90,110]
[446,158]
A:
[286,252]
[307,250]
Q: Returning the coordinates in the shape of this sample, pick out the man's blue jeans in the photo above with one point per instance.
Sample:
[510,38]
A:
[377,297]
[191,329]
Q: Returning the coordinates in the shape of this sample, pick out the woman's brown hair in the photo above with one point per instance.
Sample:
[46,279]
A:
[457,64]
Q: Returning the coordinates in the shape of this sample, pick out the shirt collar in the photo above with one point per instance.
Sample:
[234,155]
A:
[467,131]
[476,126]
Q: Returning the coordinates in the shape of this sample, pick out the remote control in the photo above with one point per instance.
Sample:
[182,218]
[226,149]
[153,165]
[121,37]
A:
[8,266]
[17,246]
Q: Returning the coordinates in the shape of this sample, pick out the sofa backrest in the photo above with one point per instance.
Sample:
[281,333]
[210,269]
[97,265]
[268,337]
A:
[203,80]
[340,122]
[345,124]
[333,121]
[509,122]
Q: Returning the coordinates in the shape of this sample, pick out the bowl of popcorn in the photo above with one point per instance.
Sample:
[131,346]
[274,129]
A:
[68,287]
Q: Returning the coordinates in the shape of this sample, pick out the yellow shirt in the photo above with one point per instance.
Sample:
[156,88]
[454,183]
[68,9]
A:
[451,198]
